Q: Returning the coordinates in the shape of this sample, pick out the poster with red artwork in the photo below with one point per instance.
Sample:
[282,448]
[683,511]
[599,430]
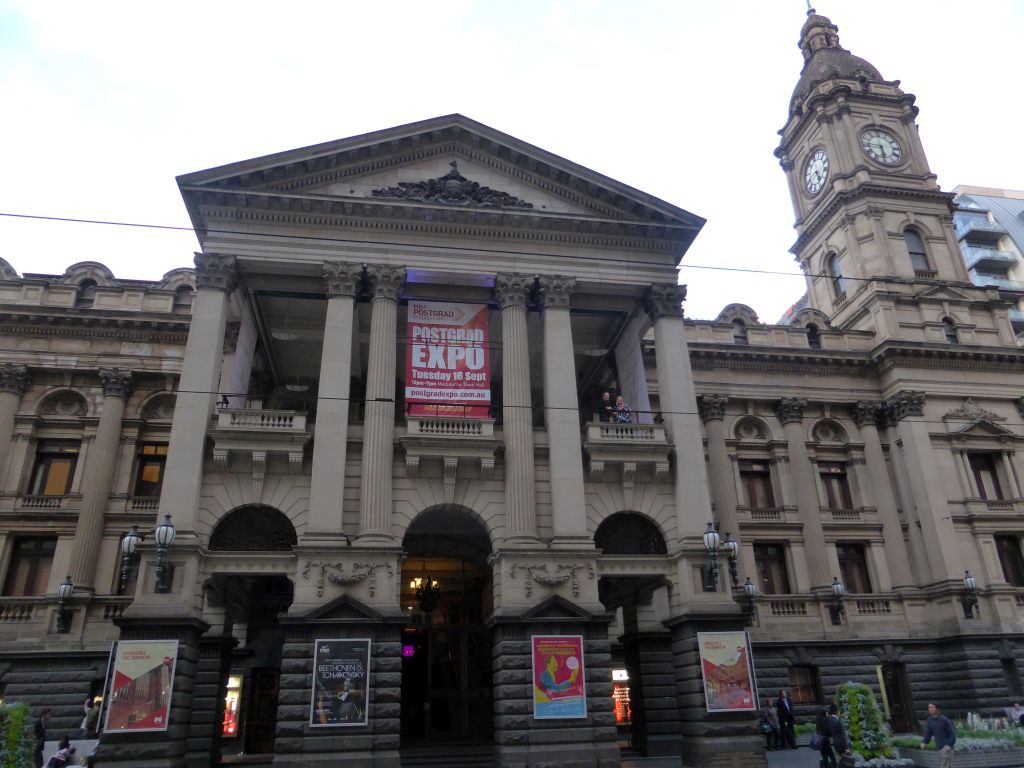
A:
[447,361]
[140,692]
[559,677]
[725,663]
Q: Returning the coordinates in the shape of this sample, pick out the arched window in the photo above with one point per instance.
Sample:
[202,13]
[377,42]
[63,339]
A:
[739,332]
[915,247]
[813,336]
[949,329]
[183,300]
[86,294]
[835,274]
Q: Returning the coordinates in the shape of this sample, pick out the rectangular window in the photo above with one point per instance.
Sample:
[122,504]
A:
[756,478]
[803,685]
[54,468]
[29,571]
[150,477]
[983,467]
[853,568]
[772,574]
[837,489]
[1010,559]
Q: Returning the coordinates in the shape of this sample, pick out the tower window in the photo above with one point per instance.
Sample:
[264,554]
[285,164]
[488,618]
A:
[915,247]
[949,329]
[739,332]
[86,295]
[835,275]
[813,336]
[183,300]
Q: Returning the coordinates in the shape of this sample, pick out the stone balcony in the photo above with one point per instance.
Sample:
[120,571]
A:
[450,440]
[69,502]
[257,432]
[629,448]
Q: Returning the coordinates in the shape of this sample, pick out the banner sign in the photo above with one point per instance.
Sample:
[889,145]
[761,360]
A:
[448,360]
[143,679]
[559,684]
[725,663]
[341,682]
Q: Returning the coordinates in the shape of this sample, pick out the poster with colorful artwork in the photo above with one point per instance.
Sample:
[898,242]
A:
[559,676]
[725,663]
[341,682]
[448,360]
[143,680]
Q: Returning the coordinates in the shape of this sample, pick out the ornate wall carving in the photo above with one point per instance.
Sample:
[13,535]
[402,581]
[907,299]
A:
[342,278]
[68,404]
[216,270]
[13,378]
[513,289]
[386,281]
[335,573]
[712,407]
[451,189]
[556,291]
[665,300]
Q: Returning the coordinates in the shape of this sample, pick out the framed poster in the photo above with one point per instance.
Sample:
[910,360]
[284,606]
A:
[725,664]
[559,676]
[341,683]
[140,691]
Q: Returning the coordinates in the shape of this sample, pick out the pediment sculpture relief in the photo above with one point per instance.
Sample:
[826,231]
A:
[451,189]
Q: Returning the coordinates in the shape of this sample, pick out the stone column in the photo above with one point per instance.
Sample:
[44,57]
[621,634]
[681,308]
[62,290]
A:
[216,278]
[375,497]
[516,409]
[723,481]
[865,416]
[562,417]
[330,444]
[679,407]
[906,411]
[790,412]
[117,387]
[13,383]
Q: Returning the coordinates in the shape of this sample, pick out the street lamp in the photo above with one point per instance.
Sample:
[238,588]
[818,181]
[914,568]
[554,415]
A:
[732,548]
[836,608]
[164,536]
[970,600]
[711,543]
[64,592]
[129,543]
[750,591]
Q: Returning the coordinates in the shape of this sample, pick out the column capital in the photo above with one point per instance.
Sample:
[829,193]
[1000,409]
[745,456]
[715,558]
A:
[790,409]
[117,382]
[512,288]
[556,290]
[903,404]
[342,278]
[13,378]
[216,270]
[386,281]
[665,300]
[712,407]
[867,413]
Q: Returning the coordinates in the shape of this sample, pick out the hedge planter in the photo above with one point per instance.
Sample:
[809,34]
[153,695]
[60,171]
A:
[968,758]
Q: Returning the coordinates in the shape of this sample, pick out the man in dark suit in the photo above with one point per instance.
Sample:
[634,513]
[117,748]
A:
[787,736]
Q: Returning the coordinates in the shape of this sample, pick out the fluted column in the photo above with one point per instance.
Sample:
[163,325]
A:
[99,473]
[906,412]
[216,278]
[561,413]
[790,411]
[327,485]
[865,416]
[13,383]
[375,498]
[723,479]
[516,409]
[679,408]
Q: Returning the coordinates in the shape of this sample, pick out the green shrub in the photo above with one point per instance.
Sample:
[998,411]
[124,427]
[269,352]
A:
[863,721]
[17,747]
[802,728]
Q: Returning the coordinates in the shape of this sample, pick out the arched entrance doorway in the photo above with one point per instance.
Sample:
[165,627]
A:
[446,656]
[248,606]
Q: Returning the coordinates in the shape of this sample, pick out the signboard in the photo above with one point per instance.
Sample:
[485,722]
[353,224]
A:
[341,683]
[559,676]
[728,674]
[448,360]
[143,679]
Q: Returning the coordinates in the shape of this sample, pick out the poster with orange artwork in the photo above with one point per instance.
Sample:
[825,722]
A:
[559,677]
[140,692]
[728,672]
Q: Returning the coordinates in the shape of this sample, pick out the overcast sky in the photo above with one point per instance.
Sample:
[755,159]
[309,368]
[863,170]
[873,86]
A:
[105,103]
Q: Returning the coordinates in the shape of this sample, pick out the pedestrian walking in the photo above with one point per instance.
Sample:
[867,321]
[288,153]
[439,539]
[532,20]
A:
[940,728]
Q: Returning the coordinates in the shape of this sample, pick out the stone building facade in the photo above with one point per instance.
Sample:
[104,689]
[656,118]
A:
[258,403]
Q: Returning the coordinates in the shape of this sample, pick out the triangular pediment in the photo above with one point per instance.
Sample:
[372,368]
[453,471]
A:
[344,608]
[556,607]
[983,428]
[943,293]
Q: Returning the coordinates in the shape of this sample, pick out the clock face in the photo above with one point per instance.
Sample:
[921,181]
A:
[816,171]
[881,146]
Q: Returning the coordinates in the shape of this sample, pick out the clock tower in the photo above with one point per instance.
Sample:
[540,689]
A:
[873,227]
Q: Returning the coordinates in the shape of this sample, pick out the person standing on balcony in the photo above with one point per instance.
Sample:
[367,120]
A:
[605,409]
[621,412]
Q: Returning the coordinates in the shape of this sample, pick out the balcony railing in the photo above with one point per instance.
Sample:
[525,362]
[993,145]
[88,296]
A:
[988,258]
[787,607]
[978,228]
[611,431]
[438,426]
[998,281]
[17,609]
[49,502]
[261,419]
[872,606]
[144,503]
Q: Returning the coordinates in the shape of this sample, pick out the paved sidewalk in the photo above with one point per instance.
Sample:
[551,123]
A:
[801,757]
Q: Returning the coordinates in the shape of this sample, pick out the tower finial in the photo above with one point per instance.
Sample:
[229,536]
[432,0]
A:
[810,10]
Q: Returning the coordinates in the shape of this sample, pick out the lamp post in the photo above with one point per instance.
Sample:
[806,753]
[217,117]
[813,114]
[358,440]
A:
[64,592]
[750,591]
[970,600]
[711,543]
[164,536]
[836,608]
[129,543]
[732,548]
